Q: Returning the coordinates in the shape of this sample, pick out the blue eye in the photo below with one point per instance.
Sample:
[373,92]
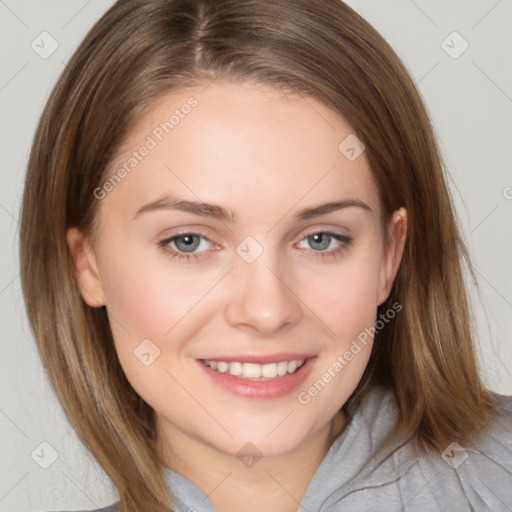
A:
[185,245]
[321,240]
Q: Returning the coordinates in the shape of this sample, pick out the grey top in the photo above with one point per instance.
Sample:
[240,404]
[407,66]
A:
[353,478]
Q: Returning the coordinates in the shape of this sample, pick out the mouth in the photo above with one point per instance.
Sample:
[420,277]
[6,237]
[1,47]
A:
[266,379]
[255,371]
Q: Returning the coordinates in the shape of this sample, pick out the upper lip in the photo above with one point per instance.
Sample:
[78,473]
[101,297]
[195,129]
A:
[260,358]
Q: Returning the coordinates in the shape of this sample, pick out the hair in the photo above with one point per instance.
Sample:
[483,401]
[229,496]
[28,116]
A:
[141,50]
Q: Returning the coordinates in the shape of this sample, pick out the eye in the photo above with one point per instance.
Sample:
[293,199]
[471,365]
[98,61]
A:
[184,246]
[322,240]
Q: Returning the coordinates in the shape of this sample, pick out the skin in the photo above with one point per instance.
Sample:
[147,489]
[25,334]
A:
[279,154]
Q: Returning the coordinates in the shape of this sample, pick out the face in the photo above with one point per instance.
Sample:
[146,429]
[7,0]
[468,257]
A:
[215,244]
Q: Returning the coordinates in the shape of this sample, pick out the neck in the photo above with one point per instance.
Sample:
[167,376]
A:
[272,483]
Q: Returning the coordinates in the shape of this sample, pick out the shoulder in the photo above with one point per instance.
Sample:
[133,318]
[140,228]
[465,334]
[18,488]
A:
[490,450]
[476,475]
[478,472]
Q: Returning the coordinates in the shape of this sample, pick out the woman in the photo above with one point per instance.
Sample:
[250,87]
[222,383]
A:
[243,270]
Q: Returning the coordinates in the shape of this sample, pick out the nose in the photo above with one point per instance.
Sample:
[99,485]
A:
[263,299]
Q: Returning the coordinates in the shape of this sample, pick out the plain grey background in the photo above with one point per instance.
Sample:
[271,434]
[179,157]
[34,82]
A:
[468,92]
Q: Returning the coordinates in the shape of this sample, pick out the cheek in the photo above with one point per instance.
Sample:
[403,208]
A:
[148,302]
[348,307]
[346,297]
[148,299]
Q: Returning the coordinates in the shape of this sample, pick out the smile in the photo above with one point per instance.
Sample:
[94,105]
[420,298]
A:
[270,380]
[255,371]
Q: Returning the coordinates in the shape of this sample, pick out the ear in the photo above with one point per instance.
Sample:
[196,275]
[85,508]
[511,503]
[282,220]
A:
[392,255]
[86,270]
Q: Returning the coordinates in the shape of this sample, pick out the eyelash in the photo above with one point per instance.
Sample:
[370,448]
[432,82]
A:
[345,243]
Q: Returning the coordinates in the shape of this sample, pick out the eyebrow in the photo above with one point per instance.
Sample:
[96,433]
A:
[218,212]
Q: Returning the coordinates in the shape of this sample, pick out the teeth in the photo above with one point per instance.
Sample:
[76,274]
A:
[235,369]
[282,368]
[222,367]
[252,371]
[256,371]
[268,371]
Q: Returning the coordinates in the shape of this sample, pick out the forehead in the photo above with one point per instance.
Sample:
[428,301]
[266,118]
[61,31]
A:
[245,145]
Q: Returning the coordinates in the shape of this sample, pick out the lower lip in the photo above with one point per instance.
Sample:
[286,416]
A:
[274,388]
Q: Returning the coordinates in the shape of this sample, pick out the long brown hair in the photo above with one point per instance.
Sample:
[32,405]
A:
[142,49]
